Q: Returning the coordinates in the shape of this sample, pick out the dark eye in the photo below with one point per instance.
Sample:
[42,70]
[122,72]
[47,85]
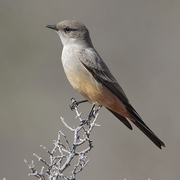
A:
[67,29]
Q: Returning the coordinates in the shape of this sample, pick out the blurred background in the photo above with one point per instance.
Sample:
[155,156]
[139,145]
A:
[139,41]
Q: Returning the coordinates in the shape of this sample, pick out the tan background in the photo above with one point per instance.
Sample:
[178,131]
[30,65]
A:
[140,42]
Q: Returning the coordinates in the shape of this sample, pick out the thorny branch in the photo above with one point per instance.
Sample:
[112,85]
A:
[66,151]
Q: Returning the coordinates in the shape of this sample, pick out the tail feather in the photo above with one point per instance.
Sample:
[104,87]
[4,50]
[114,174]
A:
[149,134]
[122,119]
[144,128]
[139,124]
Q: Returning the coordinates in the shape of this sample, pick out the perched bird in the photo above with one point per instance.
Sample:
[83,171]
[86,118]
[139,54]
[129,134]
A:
[90,76]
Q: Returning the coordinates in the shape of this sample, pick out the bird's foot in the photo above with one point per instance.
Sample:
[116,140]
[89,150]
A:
[76,103]
[90,116]
[92,113]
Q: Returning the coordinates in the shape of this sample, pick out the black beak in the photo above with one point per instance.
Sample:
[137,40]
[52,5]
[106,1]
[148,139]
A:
[52,27]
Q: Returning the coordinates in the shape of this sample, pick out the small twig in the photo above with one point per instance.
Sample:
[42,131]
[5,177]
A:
[40,175]
[58,163]
[62,119]
[42,160]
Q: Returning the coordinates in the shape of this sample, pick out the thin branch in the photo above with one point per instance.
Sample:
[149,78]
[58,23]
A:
[66,151]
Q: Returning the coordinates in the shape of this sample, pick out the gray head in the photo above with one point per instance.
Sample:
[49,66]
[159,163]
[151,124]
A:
[71,31]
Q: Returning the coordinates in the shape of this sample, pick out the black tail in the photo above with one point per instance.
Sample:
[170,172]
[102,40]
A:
[140,124]
[122,119]
[144,128]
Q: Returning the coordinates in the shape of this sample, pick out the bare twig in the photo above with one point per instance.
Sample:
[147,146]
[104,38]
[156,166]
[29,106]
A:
[66,151]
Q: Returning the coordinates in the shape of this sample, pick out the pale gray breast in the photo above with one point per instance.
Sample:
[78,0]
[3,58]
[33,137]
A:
[70,62]
[79,77]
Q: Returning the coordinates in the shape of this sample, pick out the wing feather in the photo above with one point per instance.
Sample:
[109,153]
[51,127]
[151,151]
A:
[93,63]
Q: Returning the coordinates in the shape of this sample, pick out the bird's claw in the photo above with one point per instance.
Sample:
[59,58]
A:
[74,104]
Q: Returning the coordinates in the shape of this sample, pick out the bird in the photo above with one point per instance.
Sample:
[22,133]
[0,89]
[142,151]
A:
[90,76]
